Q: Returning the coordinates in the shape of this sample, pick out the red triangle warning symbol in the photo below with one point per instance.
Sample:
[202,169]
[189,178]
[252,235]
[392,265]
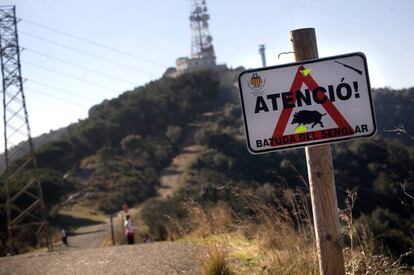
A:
[301,78]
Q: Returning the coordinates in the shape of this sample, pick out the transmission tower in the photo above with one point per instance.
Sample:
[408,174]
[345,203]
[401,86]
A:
[26,212]
[201,40]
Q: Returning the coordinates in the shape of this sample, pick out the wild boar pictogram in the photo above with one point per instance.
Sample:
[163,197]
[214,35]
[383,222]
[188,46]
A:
[308,117]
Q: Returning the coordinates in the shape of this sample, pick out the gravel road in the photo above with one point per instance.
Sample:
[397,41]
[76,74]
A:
[155,258]
[88,236]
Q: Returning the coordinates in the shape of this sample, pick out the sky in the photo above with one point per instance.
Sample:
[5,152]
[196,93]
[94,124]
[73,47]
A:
[77,53]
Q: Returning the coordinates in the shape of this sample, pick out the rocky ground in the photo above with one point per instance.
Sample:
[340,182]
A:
[154,258]
[86,237]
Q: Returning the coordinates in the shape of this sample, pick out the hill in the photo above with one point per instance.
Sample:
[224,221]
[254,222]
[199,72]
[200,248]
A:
[118,153]
[377,172]
[37,143]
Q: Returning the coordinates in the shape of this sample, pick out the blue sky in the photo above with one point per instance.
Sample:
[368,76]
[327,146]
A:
[154,33]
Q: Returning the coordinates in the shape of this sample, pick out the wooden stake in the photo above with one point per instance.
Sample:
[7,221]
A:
[112,229]
[321,179]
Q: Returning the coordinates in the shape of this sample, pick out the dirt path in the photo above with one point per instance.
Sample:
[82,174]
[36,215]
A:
[153,259]
[87,236]
[93,236]
[171,179]
[86,228]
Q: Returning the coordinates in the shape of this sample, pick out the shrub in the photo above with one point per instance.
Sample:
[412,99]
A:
[216,261]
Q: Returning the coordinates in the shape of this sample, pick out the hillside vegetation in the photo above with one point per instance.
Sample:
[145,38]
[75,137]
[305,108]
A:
[116,156]
[228,187]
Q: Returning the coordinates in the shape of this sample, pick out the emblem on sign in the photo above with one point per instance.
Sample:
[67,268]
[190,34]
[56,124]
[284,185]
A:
[256,83]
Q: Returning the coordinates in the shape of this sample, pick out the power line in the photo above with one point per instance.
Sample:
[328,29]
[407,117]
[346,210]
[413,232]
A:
[70,76]
[79,66]
[87,53]
[60,89]
[94,43]
[55,97]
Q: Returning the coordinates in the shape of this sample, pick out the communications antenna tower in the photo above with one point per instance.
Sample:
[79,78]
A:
[201,40]
[26,212]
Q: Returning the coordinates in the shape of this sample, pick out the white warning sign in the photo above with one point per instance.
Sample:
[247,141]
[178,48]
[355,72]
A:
[307,103]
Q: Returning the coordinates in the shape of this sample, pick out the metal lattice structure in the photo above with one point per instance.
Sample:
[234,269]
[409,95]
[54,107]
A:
[201,42]
[25,208]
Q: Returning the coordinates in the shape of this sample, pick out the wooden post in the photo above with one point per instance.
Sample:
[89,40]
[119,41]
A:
[321,179]
[112,230]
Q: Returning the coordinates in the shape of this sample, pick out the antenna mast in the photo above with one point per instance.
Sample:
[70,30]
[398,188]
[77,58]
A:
[201,42]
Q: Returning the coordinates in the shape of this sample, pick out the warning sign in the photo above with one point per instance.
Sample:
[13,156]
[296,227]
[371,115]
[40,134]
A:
[307,103]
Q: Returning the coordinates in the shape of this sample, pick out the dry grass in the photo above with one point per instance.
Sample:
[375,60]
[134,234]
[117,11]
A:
[279,233]
[284,232]
[83,212]
[202,222]
[216,260]
[360,256]
[358,261]
[278,238]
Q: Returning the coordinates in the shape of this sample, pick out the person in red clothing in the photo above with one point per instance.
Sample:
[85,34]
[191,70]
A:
[129,230]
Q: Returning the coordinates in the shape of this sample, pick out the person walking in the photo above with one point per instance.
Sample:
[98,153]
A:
[64,236]
[129,230]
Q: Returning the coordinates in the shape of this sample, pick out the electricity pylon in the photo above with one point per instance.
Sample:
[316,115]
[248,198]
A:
[26,211]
